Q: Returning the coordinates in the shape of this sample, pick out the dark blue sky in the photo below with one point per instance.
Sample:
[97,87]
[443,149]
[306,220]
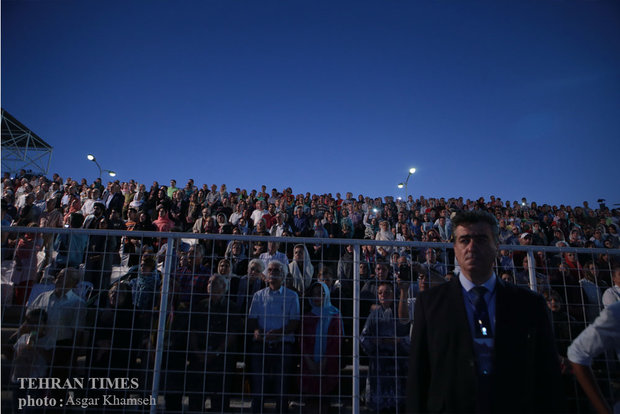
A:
[512,98]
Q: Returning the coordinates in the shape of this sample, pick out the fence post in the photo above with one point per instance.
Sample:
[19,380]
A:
[161,325]
[355,404]
[531,267]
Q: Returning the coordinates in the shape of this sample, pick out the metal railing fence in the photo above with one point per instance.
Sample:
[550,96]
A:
[160,340]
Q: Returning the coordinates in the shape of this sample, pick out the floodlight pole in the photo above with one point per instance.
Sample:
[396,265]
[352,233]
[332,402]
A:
[92,158]
[406,183]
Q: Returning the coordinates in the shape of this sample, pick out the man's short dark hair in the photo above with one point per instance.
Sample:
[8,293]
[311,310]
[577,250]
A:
[76,220]
[474,217]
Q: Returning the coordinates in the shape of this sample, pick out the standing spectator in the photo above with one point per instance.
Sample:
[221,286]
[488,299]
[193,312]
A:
[280,226]
[432,265]
[300,269]
[173,188]
[114,200]
[70,247]
[321,338]
[259,212]
[163,222]
[454,336]
[274,319]
[272,253]
[386,341]
[112,334]
[250,284]
[25,264]
[301,225]
[602,335]
[612,294]
[51,217]
[235,253]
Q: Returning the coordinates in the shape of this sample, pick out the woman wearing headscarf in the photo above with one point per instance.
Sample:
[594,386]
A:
[138,198]
[300,269]
[235,252]
[321,337]
[163,222]
[385,233]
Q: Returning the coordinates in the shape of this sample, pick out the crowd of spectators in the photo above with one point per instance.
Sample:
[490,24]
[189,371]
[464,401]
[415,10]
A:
[261,303]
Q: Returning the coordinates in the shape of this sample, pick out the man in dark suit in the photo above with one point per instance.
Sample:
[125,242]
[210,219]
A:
[114,200]
[480,345]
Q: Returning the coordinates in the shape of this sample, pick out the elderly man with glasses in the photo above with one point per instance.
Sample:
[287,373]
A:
[273,318]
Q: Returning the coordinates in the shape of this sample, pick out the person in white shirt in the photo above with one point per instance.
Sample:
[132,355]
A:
[612,295]
[259,212]
[272,253]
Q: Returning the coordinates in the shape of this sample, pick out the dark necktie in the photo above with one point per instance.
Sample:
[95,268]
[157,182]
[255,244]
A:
[482,325]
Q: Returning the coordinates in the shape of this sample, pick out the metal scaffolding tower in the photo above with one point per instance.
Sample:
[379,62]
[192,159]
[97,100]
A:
[22,148]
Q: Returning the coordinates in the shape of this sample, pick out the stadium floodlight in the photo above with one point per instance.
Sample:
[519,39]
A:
[92,158]
[405,184]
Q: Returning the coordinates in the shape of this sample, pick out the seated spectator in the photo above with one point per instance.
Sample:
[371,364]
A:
[30,359]
[320,342]
[65,323]
[88,206]
[386,341]
[28,213]
[260,228]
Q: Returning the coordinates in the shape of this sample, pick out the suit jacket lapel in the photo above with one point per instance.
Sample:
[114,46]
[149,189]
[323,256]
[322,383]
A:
[459,314]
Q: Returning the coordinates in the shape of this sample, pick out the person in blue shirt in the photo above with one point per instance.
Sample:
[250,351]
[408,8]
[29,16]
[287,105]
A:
[273,318]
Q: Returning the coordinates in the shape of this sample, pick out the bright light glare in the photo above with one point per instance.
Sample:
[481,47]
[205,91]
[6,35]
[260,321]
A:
[411,170]
[400,185]
[112,173]
[90,157]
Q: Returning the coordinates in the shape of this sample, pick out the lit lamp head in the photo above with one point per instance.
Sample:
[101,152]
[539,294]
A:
[401,185]
[411,170]
[90,157]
